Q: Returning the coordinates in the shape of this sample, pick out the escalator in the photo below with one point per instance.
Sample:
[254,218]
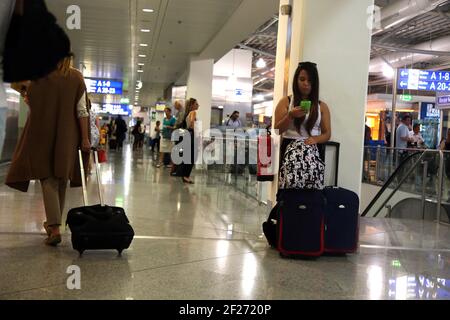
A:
[412,192]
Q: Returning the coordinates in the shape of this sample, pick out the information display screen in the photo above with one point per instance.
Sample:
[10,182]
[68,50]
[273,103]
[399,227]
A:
[103,86]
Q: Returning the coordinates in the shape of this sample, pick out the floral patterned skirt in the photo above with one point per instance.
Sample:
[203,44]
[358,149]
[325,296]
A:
[302,167]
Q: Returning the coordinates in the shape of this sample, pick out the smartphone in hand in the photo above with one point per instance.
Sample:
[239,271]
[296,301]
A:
[305,105]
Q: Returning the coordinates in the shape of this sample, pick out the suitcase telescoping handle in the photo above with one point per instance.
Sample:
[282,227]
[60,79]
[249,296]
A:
[83,177]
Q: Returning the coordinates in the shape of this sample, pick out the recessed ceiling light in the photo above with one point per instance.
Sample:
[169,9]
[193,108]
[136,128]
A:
[148,10]
[145,30]
[141,64]
[142,56]
[143,45]
[140,71]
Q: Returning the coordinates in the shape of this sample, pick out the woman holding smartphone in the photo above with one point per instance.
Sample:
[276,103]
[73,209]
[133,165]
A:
[304,122]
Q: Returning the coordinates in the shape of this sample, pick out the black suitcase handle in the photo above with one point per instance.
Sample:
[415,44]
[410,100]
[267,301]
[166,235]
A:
[83,177]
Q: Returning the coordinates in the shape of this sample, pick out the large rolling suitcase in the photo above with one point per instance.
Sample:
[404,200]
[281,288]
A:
[100,226]
[301,224]
[341,220]
[270,226]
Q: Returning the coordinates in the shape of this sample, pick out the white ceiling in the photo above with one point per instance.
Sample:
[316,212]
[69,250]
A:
[109,41]
[103,44]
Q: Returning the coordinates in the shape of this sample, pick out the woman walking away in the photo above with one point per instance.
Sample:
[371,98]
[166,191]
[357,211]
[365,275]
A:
[189,123]
[57,126]
[304,122]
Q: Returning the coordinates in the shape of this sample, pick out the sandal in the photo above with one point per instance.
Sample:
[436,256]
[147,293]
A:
[53,240]
[47,229]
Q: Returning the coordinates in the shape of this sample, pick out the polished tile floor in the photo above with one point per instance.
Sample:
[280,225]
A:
[204,242]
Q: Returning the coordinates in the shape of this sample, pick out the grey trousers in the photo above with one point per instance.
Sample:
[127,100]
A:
[54,192]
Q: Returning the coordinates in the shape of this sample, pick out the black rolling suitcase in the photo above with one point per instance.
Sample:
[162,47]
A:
[270,226]
[100,226]
[301,224]
[341,220]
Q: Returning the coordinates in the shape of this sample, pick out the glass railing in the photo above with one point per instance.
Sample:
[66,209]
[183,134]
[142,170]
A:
[238,170]
[414,183]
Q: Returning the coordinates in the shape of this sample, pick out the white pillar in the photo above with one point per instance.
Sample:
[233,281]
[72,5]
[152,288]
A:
[335,35]
[199,86]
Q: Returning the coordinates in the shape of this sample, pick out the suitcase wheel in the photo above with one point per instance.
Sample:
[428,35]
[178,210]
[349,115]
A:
[120,252]
[81,252]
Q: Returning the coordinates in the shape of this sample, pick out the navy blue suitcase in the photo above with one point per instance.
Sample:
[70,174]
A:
[341,220]
[301,221]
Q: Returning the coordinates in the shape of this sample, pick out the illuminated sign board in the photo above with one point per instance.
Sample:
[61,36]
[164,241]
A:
[428,110]
[406,97]
[103,86]
[113,109]
[424,80]
[419,287]
[443,100]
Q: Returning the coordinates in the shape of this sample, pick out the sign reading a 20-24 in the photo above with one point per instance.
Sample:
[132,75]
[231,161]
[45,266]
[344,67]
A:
[103,86]
[424,80]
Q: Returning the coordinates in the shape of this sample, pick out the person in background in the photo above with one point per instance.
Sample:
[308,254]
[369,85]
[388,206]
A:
[138,135]
[416,139]
[57,126]
[234,121]
[445,146]
[166,141]
[121,130]
[142,137]
[94,134]
[367,134]
[402,137]
[190,119]
[180,124]
[387,131]
[104,135]
[156,137]
[180,116]
[112,135]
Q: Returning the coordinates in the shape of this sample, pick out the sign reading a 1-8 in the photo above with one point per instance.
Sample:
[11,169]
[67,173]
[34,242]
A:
[102,86]
[425,80]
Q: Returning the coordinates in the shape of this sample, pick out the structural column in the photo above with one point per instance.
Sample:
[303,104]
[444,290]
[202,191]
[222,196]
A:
[199,86]
[336,36]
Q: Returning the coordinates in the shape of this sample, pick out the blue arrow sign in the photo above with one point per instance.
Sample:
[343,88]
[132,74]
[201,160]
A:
[426,80]
[103,86]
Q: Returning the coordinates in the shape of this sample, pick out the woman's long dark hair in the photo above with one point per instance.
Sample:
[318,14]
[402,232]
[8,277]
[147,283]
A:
[189,106]
[311,69]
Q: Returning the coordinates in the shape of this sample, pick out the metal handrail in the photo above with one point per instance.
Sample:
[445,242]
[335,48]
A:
[416,164]
[440,184]
[388,182]
[405,149]
[402,180]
